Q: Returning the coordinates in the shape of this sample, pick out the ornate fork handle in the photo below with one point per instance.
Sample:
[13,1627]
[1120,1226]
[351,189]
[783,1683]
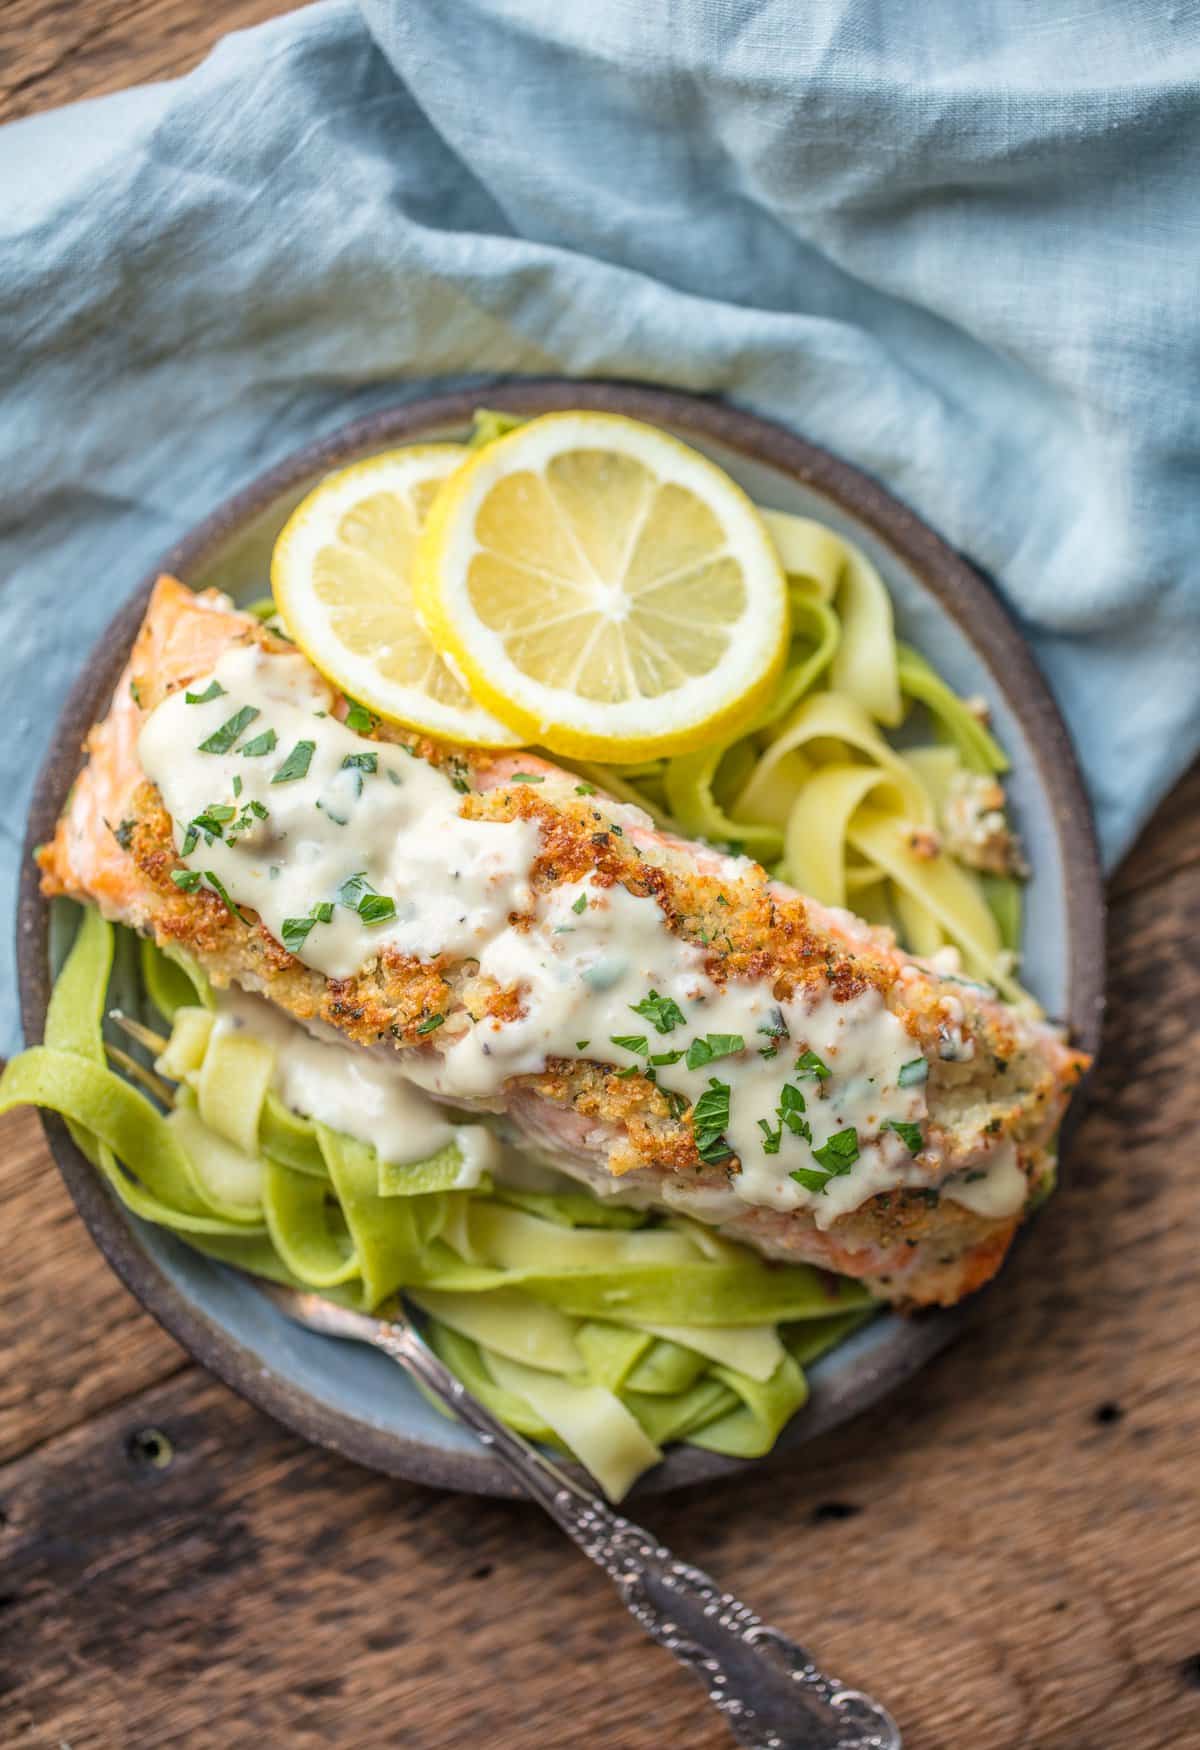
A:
[771,1693]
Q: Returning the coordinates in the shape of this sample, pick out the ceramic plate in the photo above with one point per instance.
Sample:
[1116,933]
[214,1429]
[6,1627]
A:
[352,1399]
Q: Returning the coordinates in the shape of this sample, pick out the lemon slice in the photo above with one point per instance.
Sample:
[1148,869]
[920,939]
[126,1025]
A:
[341,578]
[603,589]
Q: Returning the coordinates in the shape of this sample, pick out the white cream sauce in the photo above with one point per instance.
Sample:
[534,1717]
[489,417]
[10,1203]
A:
[995,1190]
[587,958]
[355,1091]
[452,882]
[584,972]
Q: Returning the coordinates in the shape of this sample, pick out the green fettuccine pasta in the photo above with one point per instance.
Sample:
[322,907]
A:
[605,1331]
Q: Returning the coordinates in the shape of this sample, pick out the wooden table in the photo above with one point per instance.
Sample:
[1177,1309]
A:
[1009,1553]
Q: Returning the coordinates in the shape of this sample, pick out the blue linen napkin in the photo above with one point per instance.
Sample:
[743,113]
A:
[956,244]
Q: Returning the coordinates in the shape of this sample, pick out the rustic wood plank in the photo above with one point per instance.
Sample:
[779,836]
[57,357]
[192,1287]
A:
[73,1339]
[1010,1552]
[57,51]
[1169,842]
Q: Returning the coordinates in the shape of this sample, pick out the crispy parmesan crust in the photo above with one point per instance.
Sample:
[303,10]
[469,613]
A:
[1005,1078]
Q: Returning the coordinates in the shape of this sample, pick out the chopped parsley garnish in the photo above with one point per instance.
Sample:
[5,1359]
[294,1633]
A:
[222,739]
[187,880]
[914,1071]
[664,1012]
[839,1152]
[630,1042]
[771,1138]
[582,1044]
[135,694]
[359,718]
[810,1178]
[809,1064]
[218,887]
[237,786]
[337,819]
[713,1046]
[677,1102]
[352,890]
[296,764]
[790,1112]
[585,789]
[526,778]
[214,690]
[295,930]
[710,1115]
[660,1059]
[775,1027]
[712,1108]
[632,1069]
[767,1052]
[395,778]
[580,905]
[357,894]
[251,811]
[713,1149]
[432,1024]
[264,743]
[212,822]
[358,763]
[909,1134]
[836,1156]
[123,834]
[460,784]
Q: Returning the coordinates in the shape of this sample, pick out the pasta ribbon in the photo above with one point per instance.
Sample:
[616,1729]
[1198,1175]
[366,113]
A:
[806,788]
[604,1331]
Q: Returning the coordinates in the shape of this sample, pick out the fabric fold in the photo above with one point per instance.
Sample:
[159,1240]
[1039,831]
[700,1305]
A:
[958,253]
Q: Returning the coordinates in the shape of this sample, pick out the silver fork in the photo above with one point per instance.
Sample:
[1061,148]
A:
[770,1692]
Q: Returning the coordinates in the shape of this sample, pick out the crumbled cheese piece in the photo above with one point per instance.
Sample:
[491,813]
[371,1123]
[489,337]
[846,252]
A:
[976,828]
[924,844]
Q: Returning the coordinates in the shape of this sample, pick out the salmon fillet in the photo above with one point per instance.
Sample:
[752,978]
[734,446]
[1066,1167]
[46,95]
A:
[998,1080]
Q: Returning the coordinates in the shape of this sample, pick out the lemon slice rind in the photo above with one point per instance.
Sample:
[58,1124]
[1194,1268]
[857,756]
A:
[683,716]
[308,547]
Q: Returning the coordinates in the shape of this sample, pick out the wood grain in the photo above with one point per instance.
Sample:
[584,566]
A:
[1009,1554]
[73,1340]
[57,51]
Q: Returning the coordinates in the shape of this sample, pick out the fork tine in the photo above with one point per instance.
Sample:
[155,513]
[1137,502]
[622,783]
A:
[144,1035]
[139,1073]
[316,1313]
